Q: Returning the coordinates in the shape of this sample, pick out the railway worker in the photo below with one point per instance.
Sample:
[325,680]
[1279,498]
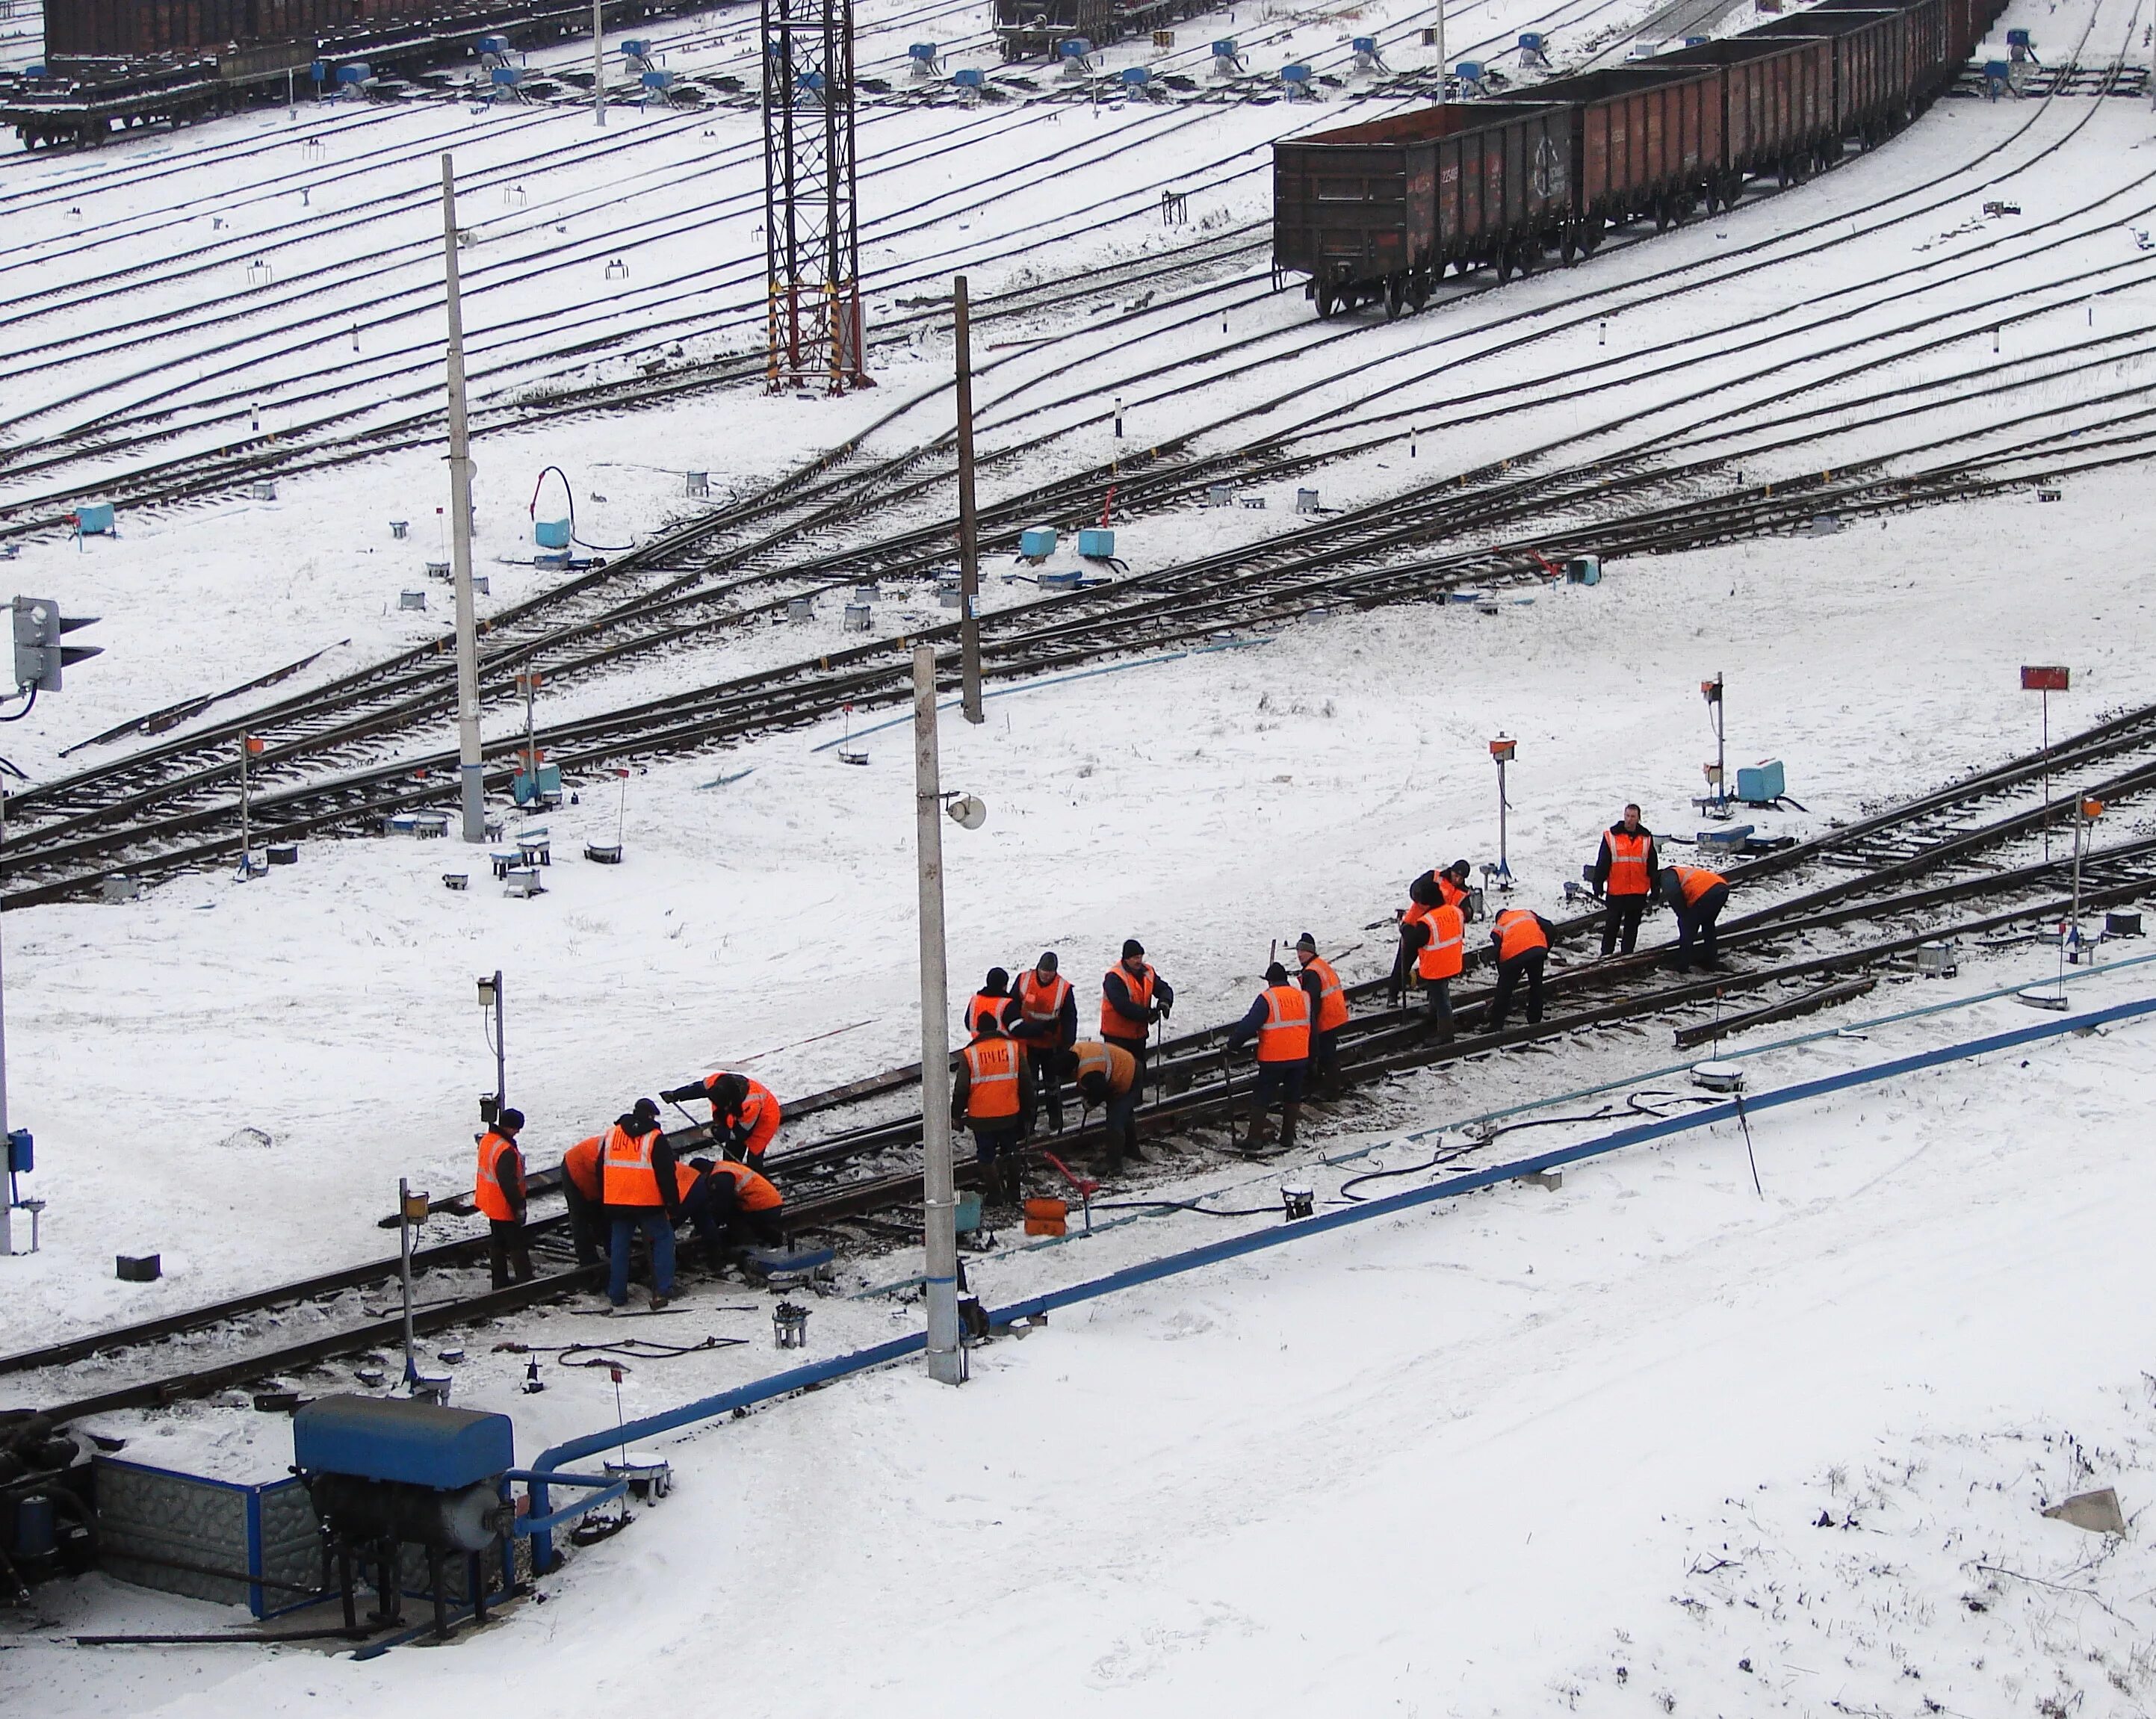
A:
[993,997]
[993,1095]
[1698,895]
[732,1207]
[1328,998]
[1624,874]
[1132,998]
[1434,946]
[1106,1075]
[639,1183]
[1523,940]
[1046,1024]
[1280,1020]
[1452,886]
[581,1191]
[500,1195]
[745,1114]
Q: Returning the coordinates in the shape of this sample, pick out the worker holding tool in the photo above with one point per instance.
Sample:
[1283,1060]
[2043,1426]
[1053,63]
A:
[1133,998]
[745,1114]
[1106,1075]
[731,1207]
[1328,1000]
[1045,1025]
[1433,946]
[581,1192]
[638,1182]
[1698,895]
[1523,940]
[993,997]
[1624,873]
[992,1094]
[1280,1020]
[500,1195]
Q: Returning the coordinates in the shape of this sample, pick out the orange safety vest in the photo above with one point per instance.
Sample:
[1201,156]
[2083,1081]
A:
[1286,1035]
[992,1065]
[1449,893]
[1628,864]
[1331,1001]
[756,1192]
[1113,1025]
[628,1177]
[491,1197]
[979,1003]
[1041,1004]
[580,1163]
[1117,1064]
[1517,932]
[1445,954]
[1696,882]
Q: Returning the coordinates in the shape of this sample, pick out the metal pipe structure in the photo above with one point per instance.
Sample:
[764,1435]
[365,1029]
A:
[969,539]
[598,63]
[470,765]
[939,1187]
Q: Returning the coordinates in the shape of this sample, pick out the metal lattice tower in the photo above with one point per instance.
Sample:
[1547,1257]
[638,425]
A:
[812,241]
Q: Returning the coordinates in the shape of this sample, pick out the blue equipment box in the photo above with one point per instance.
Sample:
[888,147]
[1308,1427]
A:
[395,1438]
[1760,784]
[94,518]
[1095,543]
[1731,840]
[349,76]
[550,533]
[1037,542]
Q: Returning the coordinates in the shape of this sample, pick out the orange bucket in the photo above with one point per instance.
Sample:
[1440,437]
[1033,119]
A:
[1044,1217]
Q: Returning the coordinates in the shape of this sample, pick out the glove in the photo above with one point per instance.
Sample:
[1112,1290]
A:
[1598,892]
[680,1093]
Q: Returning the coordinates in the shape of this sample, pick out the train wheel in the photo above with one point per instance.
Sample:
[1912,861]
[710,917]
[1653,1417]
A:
[1418,284]
[1396,298]
[1324,302]
[1504,264]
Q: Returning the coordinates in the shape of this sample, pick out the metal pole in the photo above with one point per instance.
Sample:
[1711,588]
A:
[939,1188]
[246,842]
[1504,864]
[1440,27]
[470,767]
[969,545]
[598,63]
[501,1050]
[404,1243]
[2046,752]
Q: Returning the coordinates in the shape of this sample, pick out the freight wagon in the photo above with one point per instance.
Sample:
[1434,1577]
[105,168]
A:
[1034,29]
[1777,107]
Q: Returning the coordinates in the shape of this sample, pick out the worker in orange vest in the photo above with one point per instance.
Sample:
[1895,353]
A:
[1624,872]
[1280,1020]
[1453,889]
[993,997]
[745,1113]
[1434,948]
[1698,895]
[1329,998]
[581,1193]
[1133,997]
[1045,1023]
[992,1095]
[637,1181]
[500,1195]
[732,1206]
[1106,1075]
[1523,940]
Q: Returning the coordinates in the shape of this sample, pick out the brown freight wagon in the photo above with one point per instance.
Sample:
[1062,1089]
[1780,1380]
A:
[1871,83]
[1644,141]
[1777,106]
[1376,212]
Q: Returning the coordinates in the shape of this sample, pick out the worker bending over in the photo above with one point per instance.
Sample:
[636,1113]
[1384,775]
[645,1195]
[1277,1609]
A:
[1624,872]
[500,1195]
[732,1207]
[745,1114]
[1279,1021]
[581,1192]
[637,1180]
[1434,948]
[1523,940]
[1106,1075]
[1132,998]
[1046,1024]
[1698,896]
[1328,998]
[992,1094]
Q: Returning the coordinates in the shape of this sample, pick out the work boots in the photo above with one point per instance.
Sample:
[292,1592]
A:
[1291,1114]
[994,1186]
[1262,1131]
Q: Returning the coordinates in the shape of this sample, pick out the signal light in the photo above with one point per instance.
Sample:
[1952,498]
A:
[39,655]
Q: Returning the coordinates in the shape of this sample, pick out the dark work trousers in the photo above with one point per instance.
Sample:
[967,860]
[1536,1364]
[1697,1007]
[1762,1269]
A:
[997,1142]
[1509,973]
[656,1225]
[1437,996]
[1047,1086]
[508,1254]
[1325,1059]
[1621,922]
[1137,1047]
[1279,1081]
[1695,922]
[588,1224]
[723,1223]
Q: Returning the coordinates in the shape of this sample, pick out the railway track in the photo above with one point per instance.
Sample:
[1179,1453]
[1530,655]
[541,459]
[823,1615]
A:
[1952,863]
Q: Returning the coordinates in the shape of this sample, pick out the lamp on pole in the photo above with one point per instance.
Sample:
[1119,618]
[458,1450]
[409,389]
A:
[489,997]
[1501,750]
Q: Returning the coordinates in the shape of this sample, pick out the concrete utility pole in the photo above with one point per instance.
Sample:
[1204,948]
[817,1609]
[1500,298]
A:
[1439,26]
[939,1188]
[598,63]
[969,544]
[471,769]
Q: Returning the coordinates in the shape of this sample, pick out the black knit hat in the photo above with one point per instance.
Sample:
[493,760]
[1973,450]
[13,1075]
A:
[1131,947]
[998,983]
[509,1121]
[644,1111]
[1307,941]
[1276,974]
